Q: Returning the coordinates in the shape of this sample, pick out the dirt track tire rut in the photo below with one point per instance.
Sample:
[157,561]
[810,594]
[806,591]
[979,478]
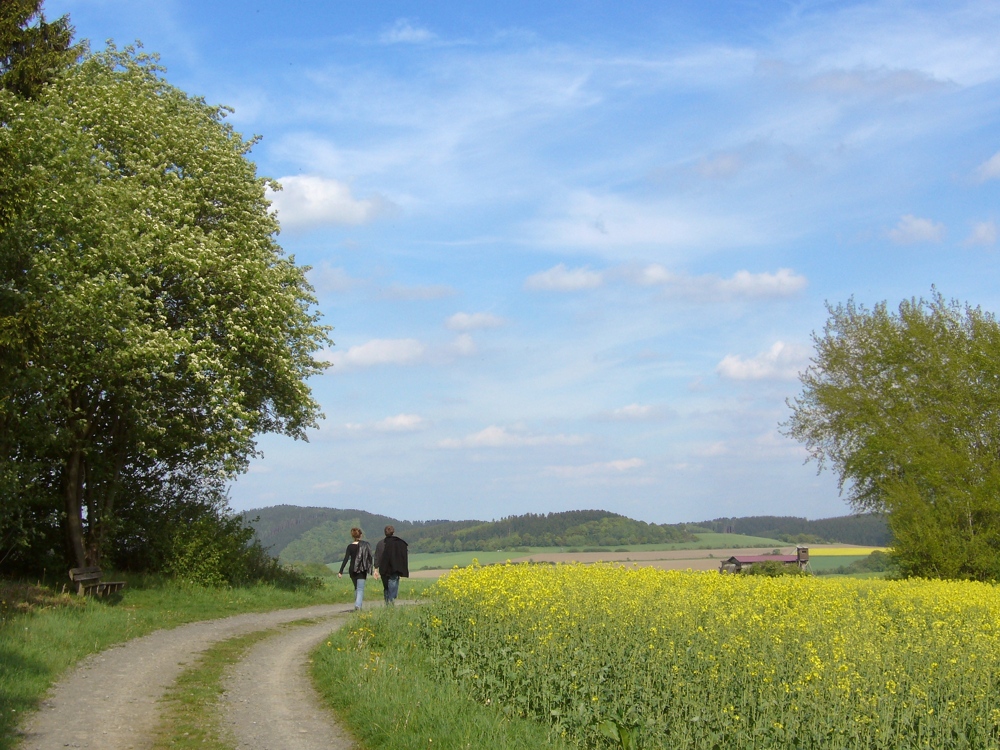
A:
[110,701]
[269,701]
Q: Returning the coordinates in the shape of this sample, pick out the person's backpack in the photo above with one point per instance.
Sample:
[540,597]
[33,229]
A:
[363,561]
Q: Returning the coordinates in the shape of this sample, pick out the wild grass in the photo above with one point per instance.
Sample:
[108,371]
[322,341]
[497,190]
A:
[384,691]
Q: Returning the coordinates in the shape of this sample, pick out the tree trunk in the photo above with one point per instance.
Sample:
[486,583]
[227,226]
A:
[73,494]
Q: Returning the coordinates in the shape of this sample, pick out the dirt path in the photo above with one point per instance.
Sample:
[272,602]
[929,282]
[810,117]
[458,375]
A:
[270,704]
[110,700]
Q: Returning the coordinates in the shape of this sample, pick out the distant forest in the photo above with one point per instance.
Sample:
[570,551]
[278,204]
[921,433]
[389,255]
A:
[320,535]
[868,529]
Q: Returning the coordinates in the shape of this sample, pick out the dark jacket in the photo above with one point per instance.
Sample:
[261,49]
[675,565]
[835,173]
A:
[391,557]
[349,556]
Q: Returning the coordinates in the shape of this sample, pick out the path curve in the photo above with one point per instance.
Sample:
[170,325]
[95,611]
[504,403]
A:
[269,701]
[110,700]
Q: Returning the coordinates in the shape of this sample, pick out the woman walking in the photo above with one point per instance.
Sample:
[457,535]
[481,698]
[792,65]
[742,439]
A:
[359,554]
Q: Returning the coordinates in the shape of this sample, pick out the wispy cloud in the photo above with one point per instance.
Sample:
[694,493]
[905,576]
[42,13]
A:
[327,278]
[417,293]
[311,201]
[989,169]
[398,423]
[403,32]
[983,233]
[783,283]
[781,362]
[601,469]
[633,412]
[332,487]
[500,437]
[562,279]
[377,352]
[462,321]
[912,230]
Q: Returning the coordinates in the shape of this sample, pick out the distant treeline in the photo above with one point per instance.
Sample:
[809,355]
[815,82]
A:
[868,529]
[297,534]
[320,535]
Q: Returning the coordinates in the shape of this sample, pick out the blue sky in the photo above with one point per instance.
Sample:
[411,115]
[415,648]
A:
[574,253]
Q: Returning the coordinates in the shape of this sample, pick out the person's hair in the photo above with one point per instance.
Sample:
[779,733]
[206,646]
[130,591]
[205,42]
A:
[356,532]
[390,530]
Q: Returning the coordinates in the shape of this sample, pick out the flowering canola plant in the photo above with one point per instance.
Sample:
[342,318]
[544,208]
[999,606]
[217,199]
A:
[702,660]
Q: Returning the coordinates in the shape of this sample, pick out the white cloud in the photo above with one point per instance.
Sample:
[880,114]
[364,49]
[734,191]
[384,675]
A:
[983,233]
[463,345]
[711,450]
[613,225]
[781,362]
[783,283]
[400,423]
[417,293]
[377,352]
[402,32]
[310,201]
[462,321]
[327,278]
[632,412]
[596,469]
[720,166]
[500,437]
[562,279]
[881,83]
[912,229]
[989,169]
[333,487]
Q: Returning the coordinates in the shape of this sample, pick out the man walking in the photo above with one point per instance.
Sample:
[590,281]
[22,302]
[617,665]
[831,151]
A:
[392,561]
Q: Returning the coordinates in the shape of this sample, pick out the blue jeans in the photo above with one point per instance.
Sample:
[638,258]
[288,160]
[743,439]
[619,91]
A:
[391,584]
[359,591]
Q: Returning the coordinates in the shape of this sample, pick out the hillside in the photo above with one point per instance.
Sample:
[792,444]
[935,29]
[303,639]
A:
[297,534]
[319,535]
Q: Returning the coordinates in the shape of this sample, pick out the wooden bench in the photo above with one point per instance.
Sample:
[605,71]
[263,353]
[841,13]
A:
[88,581]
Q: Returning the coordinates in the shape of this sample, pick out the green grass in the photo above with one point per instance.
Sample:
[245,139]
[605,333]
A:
[819,563]
[190,708]
[43,633]
[385,692]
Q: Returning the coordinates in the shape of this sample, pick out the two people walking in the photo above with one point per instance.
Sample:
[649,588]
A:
[390,561]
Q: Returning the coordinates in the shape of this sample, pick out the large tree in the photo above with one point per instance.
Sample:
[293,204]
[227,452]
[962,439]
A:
[905,406]
[33,51]
[150,325]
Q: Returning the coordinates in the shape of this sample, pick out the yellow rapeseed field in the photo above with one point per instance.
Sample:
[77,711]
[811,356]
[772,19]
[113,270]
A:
[670,659]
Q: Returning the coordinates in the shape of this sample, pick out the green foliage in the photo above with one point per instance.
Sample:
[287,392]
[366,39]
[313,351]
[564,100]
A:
[772,569]
[150,326]
[32,50]
[905,407]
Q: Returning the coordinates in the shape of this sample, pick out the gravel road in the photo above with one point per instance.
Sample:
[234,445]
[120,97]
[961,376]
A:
[110,700]
[269,702]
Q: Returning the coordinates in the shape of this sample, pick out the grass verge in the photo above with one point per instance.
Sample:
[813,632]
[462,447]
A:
[385,692]
[190,717]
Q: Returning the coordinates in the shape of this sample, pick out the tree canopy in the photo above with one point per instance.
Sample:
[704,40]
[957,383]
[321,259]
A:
[32,50]
[150,325]
[905,406]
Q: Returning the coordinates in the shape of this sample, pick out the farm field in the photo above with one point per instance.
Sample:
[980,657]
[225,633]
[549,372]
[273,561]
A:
[682,659]
[705,554]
